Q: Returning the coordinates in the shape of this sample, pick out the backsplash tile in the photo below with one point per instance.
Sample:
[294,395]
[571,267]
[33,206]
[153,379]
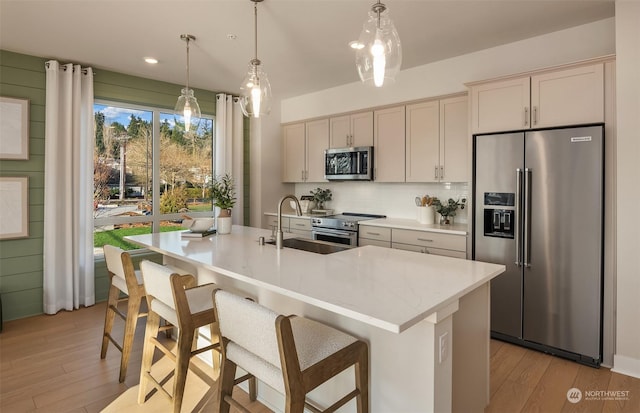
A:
[391,199]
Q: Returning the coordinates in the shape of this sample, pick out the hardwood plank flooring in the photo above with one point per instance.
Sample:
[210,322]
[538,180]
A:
[52,364]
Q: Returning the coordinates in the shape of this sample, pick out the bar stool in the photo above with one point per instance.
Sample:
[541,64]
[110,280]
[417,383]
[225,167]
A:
[294,355]
[122,278]
[178,299]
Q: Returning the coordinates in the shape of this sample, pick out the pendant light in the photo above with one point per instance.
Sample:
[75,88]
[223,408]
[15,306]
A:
[187,104]
[255,89]
[380,59]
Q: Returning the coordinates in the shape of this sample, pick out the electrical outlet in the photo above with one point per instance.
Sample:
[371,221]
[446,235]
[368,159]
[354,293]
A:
[444,347]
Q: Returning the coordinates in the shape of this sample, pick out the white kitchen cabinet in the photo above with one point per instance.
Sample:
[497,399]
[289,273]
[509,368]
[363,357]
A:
[351,130]
[437,141]
[370,235]
[272,223]
[303,151]
[454,139]
[556,98]
[317,141]
[423,142]
[293,156]
[500,106]
[389,144]
[426,242]
[568,97]
[301,227]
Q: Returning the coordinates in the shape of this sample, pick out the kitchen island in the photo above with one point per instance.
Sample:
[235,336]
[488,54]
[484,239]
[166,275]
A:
[426,318]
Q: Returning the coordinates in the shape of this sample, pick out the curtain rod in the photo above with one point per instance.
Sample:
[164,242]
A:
[64,67]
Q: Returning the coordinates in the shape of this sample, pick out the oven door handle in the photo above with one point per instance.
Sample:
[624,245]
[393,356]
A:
[338,233]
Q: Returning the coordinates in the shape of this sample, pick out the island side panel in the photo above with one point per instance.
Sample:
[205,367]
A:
[471,353]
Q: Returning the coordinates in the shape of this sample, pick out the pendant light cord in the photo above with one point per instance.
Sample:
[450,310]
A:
[378,8]
[255,28]
[188,62]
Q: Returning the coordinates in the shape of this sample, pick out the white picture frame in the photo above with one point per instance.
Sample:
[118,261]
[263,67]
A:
[14,204]
[14,128]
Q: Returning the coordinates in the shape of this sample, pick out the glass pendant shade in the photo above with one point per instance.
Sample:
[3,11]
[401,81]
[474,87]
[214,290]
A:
[187,104]
[379,61]
[188,107]
[255,92]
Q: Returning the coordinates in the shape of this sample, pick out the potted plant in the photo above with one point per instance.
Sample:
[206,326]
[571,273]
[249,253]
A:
[223,194]
[320,196]
[448,210]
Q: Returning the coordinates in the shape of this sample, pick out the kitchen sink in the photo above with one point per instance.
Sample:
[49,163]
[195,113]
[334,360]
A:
[319,247]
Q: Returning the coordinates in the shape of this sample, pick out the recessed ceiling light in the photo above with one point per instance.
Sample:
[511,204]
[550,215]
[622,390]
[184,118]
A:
[151,60]
[232,36]
[354,44]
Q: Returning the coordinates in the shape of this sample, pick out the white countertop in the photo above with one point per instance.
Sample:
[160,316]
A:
[387,288]
[403,223]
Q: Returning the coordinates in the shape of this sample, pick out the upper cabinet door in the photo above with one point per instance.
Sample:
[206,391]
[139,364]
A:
[422,142]
[293,166]
[351,130]
[389,141]
[568,97]
[454,140]
[362,129]
[317,143]
[500,106]
[340,131]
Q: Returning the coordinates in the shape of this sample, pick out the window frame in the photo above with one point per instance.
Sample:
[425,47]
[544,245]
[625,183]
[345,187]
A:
[155,218]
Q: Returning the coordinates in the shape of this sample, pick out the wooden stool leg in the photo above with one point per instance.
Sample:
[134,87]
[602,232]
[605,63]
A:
[294,403]
[133,309]
[225,385]
[183,356]
[362,380]
[114,293]
[253,389]
[151,331]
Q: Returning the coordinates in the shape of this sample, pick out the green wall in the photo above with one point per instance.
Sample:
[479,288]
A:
[23,76]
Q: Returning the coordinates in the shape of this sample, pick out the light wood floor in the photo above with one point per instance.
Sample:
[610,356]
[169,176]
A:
[52,364]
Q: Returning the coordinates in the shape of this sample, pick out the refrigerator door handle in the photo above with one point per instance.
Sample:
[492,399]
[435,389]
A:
[527,217]
[518,222]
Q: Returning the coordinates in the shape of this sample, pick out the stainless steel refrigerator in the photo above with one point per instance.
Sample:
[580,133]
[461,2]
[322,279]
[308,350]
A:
[538,209]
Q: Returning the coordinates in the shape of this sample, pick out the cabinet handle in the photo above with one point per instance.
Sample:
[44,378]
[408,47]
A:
[535,115]
[373,233]
[299,225]
[441,172]
[435,172]
[425,240]
[526,116]
[302,175]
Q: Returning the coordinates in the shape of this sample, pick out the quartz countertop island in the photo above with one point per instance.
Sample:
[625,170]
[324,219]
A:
[399,301]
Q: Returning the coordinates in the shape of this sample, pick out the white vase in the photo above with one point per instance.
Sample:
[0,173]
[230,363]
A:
[426,214]
[223,225]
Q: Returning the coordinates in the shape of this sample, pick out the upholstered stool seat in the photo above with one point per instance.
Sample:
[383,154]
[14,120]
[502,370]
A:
[292,354]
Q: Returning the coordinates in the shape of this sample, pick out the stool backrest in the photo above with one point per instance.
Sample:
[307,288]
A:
[113,259]
[157,281]
[248,324]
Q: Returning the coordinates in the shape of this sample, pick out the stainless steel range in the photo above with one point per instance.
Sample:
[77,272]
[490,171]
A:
[340,228]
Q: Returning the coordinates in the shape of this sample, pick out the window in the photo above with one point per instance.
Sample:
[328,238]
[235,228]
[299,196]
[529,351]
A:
[147,172]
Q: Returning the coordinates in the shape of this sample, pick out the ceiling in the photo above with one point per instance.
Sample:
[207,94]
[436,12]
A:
[303,44]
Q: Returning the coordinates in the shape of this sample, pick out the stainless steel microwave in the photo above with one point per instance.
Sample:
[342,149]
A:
[349,164]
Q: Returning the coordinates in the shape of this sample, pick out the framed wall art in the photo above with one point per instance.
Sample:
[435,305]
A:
[14,128]
[14,204]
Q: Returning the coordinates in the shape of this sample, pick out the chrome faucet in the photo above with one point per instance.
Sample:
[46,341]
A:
[279,234]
